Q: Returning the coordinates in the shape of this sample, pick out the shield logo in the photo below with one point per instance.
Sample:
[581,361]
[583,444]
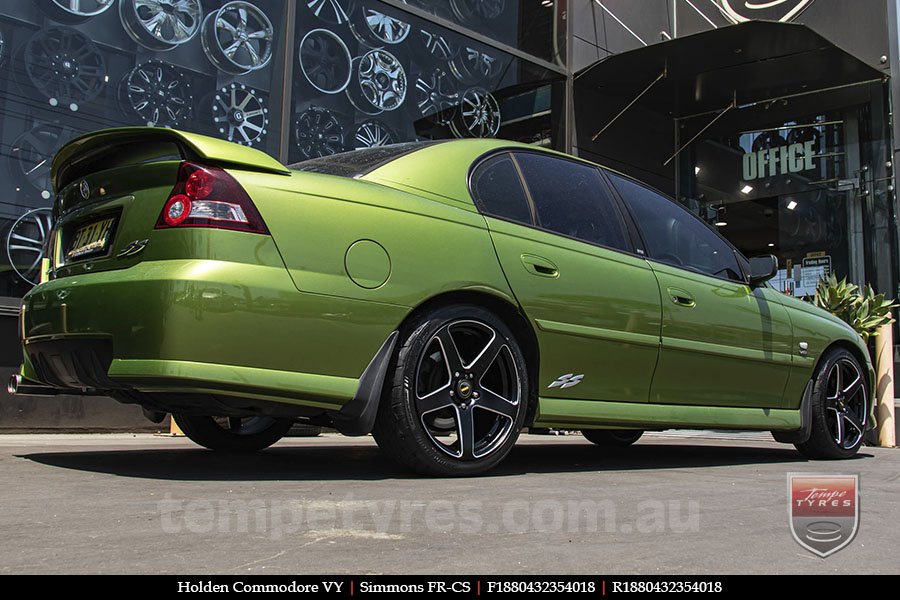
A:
[823,510]
[738,11]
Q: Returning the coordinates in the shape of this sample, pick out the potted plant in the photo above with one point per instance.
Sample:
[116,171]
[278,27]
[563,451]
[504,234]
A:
[864,310]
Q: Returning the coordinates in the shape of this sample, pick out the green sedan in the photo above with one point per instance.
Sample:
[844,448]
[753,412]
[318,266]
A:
[438,295]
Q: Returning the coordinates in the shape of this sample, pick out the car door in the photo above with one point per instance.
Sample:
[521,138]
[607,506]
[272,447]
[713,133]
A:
[563,248]
[724,343]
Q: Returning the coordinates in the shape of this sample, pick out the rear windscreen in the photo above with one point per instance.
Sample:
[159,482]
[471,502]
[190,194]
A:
[118,154]
[358,162]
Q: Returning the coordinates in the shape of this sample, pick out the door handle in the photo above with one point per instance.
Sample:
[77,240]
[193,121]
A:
[681,297]
[537,265]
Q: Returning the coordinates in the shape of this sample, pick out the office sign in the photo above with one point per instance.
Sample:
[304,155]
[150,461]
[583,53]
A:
[779,160]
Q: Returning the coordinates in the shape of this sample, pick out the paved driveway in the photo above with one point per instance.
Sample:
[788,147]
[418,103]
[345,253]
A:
[670,504]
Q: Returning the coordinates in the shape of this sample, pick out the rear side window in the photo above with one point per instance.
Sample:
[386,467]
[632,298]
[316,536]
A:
[498,192]
[675,236]
[570,198]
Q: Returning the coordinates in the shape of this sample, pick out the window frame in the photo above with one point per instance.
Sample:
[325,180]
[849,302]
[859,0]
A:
[644,250]
[624,225]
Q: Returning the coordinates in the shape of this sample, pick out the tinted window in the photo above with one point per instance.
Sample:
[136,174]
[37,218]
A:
[675,236]
[570,198]
[358,162]
[498,190]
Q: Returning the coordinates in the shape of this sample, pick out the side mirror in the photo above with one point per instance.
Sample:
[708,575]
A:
[762,269]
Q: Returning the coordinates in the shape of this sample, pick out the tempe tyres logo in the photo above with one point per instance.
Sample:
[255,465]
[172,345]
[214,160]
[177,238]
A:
[823,511]
[738,11]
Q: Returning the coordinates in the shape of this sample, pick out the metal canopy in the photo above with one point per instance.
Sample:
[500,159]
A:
[735,66]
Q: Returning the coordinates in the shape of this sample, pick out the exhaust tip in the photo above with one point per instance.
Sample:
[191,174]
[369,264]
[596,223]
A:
[13,384]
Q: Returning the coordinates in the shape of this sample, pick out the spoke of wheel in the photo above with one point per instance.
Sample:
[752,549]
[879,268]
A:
[839,428]
[854,387]
[254,56]
[234,424]
[849,417]
[487,356]
[449,350]
[837,380]
[496,404]
[465,425]
[436,400]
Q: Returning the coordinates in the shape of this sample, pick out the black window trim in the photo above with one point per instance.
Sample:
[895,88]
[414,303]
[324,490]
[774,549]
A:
[643,244]
[630,248]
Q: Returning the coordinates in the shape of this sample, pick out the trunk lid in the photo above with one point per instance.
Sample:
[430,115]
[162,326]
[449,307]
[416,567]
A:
[111,187]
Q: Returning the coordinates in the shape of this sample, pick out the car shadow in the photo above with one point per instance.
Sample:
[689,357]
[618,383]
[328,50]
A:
[310,463]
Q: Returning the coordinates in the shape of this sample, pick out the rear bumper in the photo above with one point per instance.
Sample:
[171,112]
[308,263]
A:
[202,326]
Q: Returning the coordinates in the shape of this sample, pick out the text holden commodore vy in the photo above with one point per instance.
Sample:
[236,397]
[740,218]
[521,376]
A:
[439,295]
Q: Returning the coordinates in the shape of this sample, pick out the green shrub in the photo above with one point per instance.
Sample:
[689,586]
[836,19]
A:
[864,310]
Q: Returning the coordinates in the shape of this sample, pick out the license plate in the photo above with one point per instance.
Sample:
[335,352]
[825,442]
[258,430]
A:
[92,238]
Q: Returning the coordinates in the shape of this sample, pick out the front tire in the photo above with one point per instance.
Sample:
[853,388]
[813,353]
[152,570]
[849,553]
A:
[457,396]
[840,408]
[233,434]
[612,438]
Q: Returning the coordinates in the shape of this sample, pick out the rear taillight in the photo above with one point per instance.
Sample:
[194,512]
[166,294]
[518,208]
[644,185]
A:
[209,197]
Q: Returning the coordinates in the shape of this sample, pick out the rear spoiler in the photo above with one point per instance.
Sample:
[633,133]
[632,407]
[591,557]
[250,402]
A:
[72,159]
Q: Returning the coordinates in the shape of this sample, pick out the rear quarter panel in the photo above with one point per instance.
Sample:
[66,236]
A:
[430,247]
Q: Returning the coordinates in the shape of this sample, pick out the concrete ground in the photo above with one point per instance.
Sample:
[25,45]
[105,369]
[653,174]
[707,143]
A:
[671,504]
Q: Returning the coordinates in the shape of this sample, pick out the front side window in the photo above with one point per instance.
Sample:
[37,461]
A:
[673,235]
[570,199]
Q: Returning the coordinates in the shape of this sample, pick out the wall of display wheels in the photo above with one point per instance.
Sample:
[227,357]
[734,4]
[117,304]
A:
[363,73]
[367,74]
[72,66]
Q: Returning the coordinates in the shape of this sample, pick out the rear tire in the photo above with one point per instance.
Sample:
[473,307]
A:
[233,434]
[839,408]
[456,395]
[612,438]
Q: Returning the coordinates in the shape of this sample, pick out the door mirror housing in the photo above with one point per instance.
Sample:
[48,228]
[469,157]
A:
[762,269]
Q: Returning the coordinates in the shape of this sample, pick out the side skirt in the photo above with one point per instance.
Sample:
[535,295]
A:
[577,414]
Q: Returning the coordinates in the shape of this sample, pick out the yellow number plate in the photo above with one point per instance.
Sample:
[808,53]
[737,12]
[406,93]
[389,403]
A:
[90,239]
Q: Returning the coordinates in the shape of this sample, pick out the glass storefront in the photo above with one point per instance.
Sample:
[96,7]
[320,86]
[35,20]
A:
[383,76]
[811,188]
[296,79]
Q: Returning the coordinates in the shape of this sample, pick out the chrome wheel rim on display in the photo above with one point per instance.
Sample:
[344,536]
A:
[373,133]
[157,93]
[73,11]
[325,61]
[238,38]
[161,25]
[239,114]
[437,45]
[318,132]
[846,404]
[478,115]
[437,96]
[374,28]
[467,389]
[32,152]
[381,80]
[473,11]
[26,241]
[473,66]
[330,11]
[65,66]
